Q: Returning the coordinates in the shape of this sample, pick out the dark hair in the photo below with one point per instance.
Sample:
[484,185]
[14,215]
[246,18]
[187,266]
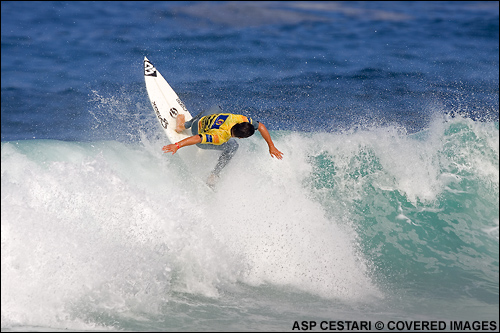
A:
[243,130]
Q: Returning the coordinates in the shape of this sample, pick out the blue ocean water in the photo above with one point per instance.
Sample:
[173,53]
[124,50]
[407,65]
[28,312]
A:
[384,208]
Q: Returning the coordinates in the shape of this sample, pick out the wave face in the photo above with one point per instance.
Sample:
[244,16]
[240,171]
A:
[115,235]
[425,205]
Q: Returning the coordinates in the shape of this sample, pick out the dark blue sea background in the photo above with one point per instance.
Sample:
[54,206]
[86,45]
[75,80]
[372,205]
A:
[385,207]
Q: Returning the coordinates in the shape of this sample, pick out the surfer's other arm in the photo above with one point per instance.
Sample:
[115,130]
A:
[272,149]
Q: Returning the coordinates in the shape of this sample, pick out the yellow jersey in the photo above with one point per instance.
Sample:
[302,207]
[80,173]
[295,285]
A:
[215,129]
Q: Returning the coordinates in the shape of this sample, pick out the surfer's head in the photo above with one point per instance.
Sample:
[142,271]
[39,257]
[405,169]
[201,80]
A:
[242,130]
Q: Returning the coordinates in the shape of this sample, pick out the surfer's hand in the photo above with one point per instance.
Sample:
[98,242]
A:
[170,148]
[275,153]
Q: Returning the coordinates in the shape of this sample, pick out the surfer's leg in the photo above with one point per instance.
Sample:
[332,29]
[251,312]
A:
[228,150]
[193,121]
[194,127]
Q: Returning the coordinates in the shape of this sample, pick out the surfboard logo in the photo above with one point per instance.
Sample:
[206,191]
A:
[149,69]
[182,104]
[173,112]
[163,121]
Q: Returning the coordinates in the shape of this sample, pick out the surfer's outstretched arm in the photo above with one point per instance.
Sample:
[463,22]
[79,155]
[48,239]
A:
[272,149]
[192,140]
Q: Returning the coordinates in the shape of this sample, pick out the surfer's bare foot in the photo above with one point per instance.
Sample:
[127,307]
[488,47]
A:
[180,121]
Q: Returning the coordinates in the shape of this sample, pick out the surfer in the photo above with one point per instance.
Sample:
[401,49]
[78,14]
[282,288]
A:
[217,131]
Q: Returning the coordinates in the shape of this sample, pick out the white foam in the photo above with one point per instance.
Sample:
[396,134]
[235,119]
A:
[280,233]
[106,225]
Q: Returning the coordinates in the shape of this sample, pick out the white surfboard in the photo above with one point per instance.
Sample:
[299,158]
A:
[167,105]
